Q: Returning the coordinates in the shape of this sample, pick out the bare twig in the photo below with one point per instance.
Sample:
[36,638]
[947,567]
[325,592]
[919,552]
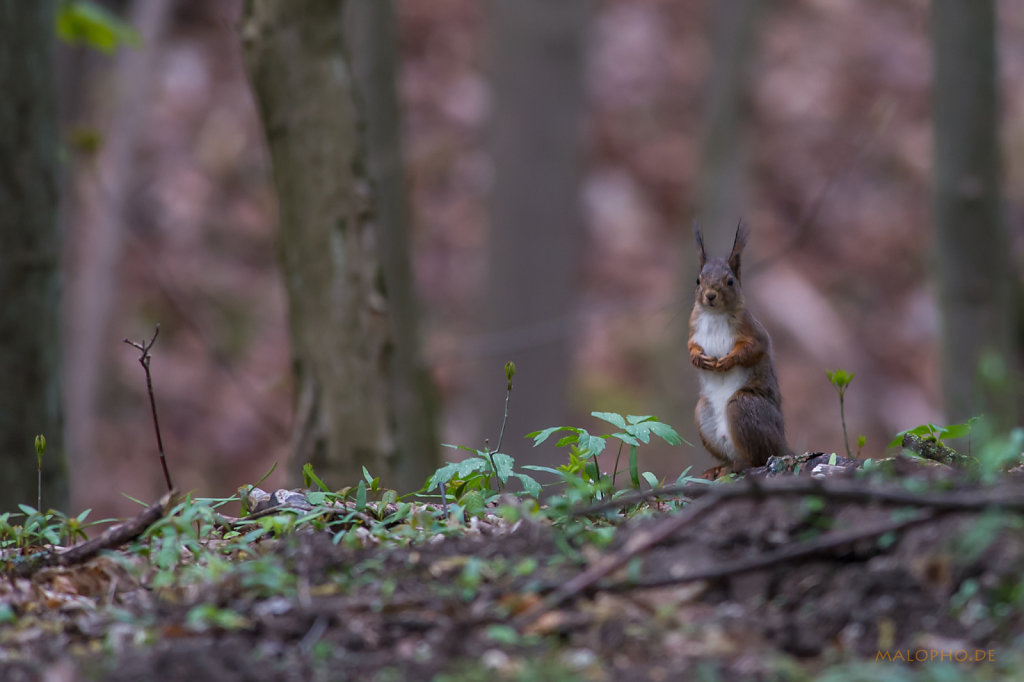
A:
[144,347]
[818,545]
[638,543]
[111,538]
[1008,496]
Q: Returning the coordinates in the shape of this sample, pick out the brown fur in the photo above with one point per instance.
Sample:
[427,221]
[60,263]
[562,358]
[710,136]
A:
[753,412]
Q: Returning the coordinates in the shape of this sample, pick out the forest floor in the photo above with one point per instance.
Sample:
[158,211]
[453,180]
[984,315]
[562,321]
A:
[914,572]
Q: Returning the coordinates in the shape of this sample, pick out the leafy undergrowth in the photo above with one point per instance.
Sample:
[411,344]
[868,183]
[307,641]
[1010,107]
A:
[901,572]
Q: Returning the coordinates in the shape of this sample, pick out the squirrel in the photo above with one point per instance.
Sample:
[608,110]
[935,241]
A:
[739,414]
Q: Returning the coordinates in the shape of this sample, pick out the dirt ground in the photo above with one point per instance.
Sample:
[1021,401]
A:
[766,584]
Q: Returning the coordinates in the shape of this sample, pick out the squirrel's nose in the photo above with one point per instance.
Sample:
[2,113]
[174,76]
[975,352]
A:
[710,295]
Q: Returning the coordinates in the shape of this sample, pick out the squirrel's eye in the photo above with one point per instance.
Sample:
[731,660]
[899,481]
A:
[729,281]
[698,280]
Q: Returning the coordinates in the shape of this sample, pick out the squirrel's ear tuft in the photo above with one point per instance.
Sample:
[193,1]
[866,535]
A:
[700,244]
[737,248]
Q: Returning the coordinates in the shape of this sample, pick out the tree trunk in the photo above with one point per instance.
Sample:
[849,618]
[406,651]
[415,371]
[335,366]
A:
[373,35]
[975,293]
[30,395]
[94,247]
[721,196]
[536,232]
[341,337]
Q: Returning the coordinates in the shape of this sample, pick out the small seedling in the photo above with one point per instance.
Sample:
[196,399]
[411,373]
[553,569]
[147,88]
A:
[936,433]
[840,379]
[40,449]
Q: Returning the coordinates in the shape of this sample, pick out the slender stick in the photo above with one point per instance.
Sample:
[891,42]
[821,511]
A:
[501,434]
[842,417]
[144,361]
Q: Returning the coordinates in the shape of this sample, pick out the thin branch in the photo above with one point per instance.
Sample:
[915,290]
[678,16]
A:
[639,542]
[144,361]
[112,538]
[1007,496]
[819,545]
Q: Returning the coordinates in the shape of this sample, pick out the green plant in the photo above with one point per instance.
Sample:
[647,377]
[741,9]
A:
[40,444]
[840,380]
[936,433]
[585,447]
[478,479]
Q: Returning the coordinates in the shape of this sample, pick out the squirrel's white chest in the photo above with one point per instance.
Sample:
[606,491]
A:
[715,335]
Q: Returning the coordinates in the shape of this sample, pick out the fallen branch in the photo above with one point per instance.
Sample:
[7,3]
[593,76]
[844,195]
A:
[1008,496]
[112,538]
[705,497]
[820,545]
[639,542]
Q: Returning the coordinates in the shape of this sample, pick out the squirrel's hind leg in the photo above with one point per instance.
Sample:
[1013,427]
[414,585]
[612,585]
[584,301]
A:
[705,417]
[756,428]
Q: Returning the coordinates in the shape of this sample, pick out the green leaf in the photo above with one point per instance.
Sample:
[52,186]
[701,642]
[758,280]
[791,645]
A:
[634,470]
[317,498]
[641,431]
[593,445]
[530,486]
[542,435]
[547,470]
[470,465]
[309,477]
[455,470]
[473,503]
[442,476]
[503,466]
[638,418]
[361,496]
[651,479]
[567,440]
[626,438]
[611,418]
[80,22]
[957,430]
[666,433]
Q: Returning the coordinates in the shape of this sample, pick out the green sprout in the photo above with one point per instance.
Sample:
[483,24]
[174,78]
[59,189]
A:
[840,379]
[40,449]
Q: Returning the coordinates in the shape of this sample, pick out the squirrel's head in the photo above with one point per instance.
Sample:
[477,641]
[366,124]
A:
[718,285]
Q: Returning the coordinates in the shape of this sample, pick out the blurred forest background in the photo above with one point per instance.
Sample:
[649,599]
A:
[169,212]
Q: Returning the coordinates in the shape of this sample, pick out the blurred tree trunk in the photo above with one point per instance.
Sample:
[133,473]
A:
[30,394]
[342,342]
[721,196]
[536,232]
[975,293]
[373,35]
[105,181]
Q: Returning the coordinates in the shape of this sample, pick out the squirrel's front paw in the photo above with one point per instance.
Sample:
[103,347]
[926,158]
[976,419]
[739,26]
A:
[723,364]
[702,361]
